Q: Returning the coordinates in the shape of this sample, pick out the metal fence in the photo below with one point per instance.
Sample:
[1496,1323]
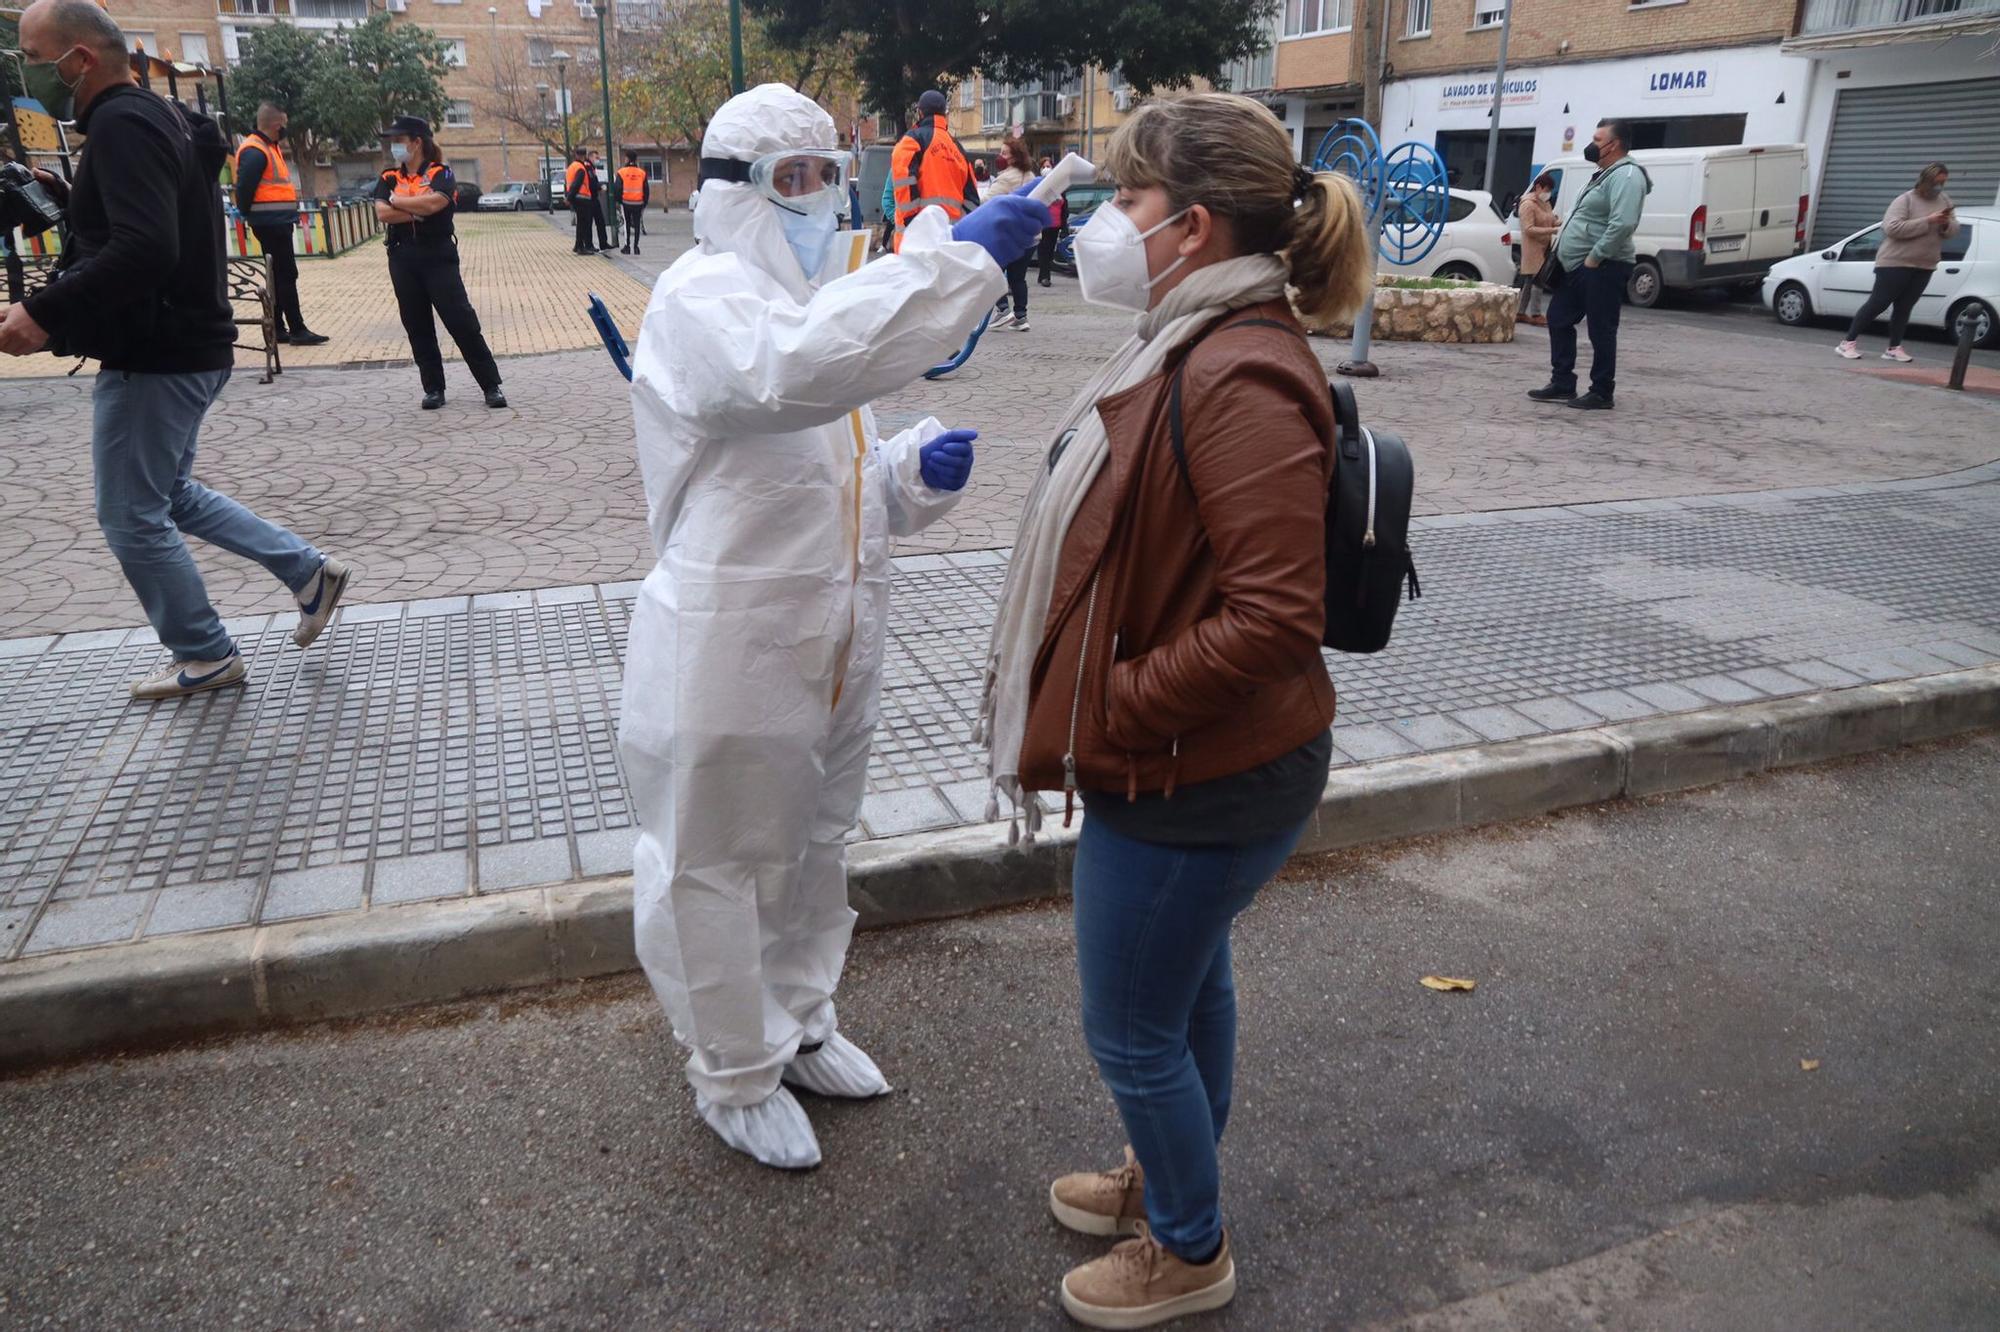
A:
[323,230]
[1825,16]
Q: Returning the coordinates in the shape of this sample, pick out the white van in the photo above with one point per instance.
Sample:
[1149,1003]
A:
[1717,216]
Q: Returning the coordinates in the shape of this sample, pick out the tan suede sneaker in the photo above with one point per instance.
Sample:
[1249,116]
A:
[1102,1202]
[1139,1284]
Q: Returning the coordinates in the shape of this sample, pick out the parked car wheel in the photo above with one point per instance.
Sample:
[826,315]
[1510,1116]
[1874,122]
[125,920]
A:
[1792,306]
[1462,272]
[1985,327]
[1644,286]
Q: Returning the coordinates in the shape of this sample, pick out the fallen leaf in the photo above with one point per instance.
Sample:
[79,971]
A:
[1808,1065]
[1447,983]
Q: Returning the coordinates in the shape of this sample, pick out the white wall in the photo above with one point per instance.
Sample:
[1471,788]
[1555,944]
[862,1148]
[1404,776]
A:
[1741,81]
[1891,65]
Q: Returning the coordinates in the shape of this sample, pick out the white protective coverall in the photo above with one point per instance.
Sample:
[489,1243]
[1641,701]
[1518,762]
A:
[754,663]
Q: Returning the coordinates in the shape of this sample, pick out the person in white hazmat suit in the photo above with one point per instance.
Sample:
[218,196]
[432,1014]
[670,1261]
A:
[754,664]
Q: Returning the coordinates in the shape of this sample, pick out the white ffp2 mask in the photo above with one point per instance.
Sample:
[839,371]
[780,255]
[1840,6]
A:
[1111,259]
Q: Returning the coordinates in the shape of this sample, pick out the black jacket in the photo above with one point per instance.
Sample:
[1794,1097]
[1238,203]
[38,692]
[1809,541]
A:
[141,283]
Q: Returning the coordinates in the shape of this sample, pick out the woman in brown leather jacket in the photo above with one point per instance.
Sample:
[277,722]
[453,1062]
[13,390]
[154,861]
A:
[1156,652]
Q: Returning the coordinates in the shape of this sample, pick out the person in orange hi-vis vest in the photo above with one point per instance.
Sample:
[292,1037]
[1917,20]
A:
[929,168]
[634,185]
[267,194]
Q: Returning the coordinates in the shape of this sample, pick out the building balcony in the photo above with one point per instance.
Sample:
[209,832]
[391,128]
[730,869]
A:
[1854,22]
[326,11]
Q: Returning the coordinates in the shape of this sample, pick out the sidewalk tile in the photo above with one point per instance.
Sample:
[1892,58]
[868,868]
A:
[1723,689]
[434,606]
[1434,732]
[1669,697]
[607,852]
[1613,704]
[1916,661]
[573,595]
[1771,680]
[419,878]
[380,613]
[202,906]
[969,798]
[13,928]
[889,813]
[86,921]
[1498,723]
[26,647]
[921,563]
[246,626]
[503,601]
[1958,654]
[976,559]
[1558,714]
[1371,741]
[1873,666]
[92,641]
[625,591]
[1822,674]
[511,865]
[314,892]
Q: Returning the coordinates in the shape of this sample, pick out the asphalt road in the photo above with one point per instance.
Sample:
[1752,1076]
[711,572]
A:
[1745,312]
[1616,1129]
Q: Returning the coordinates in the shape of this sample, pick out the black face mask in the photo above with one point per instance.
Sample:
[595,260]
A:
[283,131]
[1591,152]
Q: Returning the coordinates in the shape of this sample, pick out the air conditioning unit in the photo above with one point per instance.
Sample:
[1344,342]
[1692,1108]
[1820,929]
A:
[1064,105]
[398,6]
[1122,99]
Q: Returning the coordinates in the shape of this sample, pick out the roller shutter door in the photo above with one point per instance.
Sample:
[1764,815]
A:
[1883,136]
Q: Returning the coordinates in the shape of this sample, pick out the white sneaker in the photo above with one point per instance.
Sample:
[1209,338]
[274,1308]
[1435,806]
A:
[192,677]
[774,1131]
[1020,324]
[1898,354]
[320,599]
[1849,350]
[838,1068]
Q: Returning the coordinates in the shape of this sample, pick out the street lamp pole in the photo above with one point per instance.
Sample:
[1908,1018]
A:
[493,18]
[610,147]
[735,47]
[548,193]
[1499,95]
[560,59]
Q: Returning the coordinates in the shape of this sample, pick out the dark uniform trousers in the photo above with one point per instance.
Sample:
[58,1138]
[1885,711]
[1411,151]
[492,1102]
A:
[277,243]
[1592,297]
[583,208]
[635,223]
[425,277]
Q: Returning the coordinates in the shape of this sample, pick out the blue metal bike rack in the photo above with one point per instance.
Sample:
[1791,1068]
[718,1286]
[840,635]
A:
[1406,197]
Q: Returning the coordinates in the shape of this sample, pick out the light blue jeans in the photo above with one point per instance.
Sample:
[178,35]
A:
[1159,1007]
[142,444]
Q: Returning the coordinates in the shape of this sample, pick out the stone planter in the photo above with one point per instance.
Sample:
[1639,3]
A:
[1470,312]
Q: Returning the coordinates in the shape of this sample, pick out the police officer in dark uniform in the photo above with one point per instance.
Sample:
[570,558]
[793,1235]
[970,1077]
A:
[414,199]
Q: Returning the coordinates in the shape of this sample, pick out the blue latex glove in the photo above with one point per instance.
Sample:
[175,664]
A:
[946,462]
[1006,227]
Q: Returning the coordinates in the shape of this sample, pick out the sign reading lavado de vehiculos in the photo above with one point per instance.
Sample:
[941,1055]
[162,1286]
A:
[1524,90]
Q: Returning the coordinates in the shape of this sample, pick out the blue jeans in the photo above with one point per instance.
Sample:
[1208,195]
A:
[1596,295]
[142,443]
[1159,1007]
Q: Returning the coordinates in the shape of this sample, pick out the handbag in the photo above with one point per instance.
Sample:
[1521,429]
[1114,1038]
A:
[1551,274]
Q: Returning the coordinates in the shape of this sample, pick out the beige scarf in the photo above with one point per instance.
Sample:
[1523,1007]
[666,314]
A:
[1058,492]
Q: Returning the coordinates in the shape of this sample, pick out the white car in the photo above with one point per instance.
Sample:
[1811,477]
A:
[1835,281]
[1477,244]
[509,198]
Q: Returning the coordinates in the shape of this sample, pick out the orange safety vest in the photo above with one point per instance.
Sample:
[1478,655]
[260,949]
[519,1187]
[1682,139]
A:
[276,189]
[577,172]
[941,177]
[633,178]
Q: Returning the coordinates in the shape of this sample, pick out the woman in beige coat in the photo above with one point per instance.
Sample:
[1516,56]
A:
[1538,232]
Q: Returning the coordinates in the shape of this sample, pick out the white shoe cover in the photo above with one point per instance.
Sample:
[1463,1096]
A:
[775,1130]
[838,1068]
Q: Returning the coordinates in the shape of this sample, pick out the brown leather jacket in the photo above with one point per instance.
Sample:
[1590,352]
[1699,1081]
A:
[1182,641]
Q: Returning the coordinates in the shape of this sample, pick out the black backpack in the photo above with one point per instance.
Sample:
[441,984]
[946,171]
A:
[1367,514]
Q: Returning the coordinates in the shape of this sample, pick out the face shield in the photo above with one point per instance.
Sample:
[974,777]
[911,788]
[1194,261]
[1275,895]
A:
[807,182]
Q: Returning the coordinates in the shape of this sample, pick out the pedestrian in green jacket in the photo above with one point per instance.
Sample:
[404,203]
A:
[1596,254]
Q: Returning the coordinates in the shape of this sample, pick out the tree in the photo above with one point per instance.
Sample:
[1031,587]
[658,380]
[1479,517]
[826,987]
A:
[342,87]
[903,47]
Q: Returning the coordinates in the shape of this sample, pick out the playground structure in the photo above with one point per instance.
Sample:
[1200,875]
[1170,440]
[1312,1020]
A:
[1406,198]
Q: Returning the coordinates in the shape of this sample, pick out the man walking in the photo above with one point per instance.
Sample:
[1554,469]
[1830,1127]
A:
[928,167]
[633,187]
[1596,254]
[140,288]
[581,188]
[267,194]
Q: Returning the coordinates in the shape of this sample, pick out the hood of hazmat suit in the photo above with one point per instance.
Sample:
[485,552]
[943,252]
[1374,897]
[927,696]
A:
[754,661]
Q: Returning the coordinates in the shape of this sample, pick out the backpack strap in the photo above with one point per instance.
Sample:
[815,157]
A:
[1175,429]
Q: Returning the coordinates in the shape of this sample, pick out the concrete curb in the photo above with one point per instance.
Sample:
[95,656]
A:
[160,990]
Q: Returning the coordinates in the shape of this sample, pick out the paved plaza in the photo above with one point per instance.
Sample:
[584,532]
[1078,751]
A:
[1758,519]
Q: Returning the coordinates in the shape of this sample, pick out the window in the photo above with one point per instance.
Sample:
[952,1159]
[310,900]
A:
[194,48]
[458,115]
[1957,247]
[1861,250]
[1488,13]
[1417,18]
[1460,209]
[1303,18]
[454,52]
[141,41]
[539,51]
[655,167]
[965,94]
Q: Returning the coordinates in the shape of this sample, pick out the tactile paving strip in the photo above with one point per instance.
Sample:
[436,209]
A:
[438,748]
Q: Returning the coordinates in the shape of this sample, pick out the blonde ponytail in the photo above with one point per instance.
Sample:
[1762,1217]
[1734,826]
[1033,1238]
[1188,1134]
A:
[1332,265]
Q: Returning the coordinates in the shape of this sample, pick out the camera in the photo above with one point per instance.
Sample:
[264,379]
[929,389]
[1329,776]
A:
[24,203]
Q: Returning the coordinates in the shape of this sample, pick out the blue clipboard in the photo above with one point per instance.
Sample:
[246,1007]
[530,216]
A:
[614,341]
